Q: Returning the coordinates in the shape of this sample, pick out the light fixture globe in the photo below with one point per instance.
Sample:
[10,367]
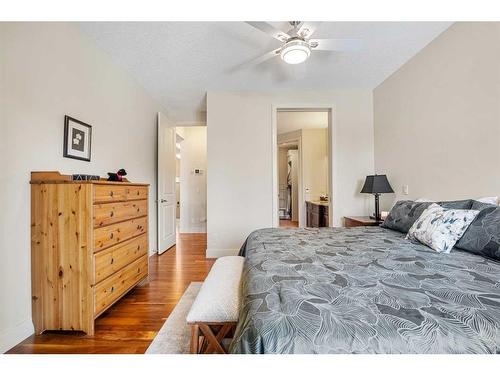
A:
[295,51]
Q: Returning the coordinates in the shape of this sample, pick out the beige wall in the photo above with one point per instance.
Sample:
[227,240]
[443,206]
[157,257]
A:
[437,119]
[48,70]
[314,163]
[240,175]
[193,187]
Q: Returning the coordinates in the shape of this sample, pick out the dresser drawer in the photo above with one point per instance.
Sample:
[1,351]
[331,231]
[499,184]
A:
[109,213]
[108,261]
[114,193]
[110,235]
[108,291]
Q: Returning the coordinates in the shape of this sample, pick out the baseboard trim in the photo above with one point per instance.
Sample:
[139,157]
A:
[217,253]
[13,336]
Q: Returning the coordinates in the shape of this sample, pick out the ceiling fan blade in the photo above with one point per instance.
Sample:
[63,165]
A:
[307,29]
[258,60]
[270,30]
[335,44]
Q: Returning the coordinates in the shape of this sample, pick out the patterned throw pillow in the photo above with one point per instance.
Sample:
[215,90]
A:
[483,235]
[404,213]
[440,228]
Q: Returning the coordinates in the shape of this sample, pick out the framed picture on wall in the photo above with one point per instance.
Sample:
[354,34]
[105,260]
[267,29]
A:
[77,139]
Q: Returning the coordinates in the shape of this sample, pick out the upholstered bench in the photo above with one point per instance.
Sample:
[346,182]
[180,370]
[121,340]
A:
[215,310]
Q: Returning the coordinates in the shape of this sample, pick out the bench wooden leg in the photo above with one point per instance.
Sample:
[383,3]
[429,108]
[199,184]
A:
[208,337]
[212,340]
[195,338]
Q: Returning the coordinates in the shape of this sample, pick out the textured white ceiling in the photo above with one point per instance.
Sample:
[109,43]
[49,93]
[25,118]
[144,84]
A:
[178,62]
[292,121]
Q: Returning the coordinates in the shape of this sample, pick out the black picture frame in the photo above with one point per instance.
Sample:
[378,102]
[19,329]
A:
[83,130]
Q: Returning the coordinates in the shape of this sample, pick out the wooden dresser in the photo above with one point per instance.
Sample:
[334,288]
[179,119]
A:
[317,214]
[89,246]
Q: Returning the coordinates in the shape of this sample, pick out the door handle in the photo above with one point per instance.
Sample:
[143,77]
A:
[163,201]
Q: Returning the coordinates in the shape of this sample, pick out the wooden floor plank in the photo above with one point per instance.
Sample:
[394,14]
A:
[132,323]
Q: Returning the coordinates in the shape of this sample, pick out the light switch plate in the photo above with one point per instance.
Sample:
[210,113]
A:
[405,189]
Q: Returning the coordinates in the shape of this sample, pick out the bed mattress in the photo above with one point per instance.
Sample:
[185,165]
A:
[364,290]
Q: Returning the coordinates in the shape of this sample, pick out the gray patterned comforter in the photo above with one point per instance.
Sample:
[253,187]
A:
[364,290]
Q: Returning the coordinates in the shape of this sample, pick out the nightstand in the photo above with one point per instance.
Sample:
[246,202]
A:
[360,221]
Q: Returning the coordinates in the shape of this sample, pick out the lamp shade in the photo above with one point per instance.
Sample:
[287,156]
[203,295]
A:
[377,184]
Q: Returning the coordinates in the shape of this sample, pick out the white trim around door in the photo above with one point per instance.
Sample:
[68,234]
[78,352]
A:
[306,107]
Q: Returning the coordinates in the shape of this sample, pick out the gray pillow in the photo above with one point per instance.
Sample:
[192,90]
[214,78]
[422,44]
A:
[483,235]
[465,204]
[405,213]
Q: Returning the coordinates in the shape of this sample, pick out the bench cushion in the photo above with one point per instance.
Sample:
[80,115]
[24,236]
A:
[219,296]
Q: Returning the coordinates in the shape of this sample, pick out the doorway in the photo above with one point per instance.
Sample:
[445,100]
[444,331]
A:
[191,179]
[181,182]
[288,182]
[302,167]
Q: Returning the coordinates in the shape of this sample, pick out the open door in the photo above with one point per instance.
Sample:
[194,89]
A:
[166,184]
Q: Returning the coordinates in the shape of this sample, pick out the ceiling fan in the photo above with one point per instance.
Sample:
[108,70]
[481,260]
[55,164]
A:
[297,42]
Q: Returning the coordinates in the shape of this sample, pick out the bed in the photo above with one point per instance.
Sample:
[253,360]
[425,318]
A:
[364,290]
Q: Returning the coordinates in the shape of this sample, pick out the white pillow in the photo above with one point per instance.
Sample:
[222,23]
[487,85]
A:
[441,228]
[419,200]
[490,200]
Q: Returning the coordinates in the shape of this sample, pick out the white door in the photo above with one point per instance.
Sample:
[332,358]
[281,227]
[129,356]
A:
[166,184]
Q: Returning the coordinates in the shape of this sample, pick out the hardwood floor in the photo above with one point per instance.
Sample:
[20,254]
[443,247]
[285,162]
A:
[131,324]
[289,224]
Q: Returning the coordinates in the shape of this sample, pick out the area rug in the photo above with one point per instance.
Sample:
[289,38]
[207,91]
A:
[174,336]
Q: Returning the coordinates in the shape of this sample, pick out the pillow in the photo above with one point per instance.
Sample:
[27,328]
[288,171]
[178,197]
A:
[441,228]
[424,200]
[404,213]
[483,235]
[490,200]
[465,204]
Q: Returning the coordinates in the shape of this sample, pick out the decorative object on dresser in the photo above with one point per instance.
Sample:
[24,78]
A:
[376,184]
[77,139]
[118,176]
[360,221]
[85,177]
[317,214]
[89,246]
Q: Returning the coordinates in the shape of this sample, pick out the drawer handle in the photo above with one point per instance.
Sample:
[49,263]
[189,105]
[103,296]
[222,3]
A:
[112,260]
[112,289]
[138,247]
[111,236]
[138,270]
[111,193]
[111,214]
[137,192]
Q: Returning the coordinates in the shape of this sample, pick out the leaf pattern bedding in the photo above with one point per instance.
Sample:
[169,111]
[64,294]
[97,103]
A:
[364,290]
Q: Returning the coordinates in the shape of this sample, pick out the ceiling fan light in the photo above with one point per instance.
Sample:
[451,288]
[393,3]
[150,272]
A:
[295,52]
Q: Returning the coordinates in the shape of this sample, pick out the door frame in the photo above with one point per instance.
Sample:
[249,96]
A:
[332,168]
[300,193]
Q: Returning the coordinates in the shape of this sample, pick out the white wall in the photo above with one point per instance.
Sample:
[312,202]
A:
[437,119]
[193,192]
[240,176]
[48,70]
